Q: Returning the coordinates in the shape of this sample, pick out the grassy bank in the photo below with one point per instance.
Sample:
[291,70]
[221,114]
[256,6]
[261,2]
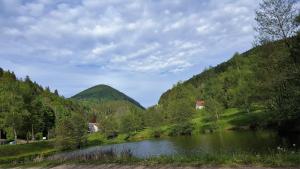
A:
[276,159]
[25,152]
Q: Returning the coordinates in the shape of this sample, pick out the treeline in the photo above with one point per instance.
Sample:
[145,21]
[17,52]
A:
[29,112]
[115,116]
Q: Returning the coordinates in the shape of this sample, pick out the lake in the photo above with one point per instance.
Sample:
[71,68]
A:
[218,142]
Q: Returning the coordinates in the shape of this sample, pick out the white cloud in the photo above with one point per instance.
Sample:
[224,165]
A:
[122,37]
[141,52]
[35,9]
[100,49]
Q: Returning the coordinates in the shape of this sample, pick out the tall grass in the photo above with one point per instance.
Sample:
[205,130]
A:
[95,155]
[25,152]
[108,156]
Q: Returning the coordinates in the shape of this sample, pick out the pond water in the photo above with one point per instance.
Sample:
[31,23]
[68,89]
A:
[229,141]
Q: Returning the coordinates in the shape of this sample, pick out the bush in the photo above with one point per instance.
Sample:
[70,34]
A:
[156,133]
[181,129]
[39,136]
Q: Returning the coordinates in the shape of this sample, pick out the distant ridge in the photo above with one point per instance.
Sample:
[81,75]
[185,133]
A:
[104,93]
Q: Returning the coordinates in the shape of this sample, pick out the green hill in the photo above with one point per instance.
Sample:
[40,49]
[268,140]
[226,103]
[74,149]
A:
[104,93]
[262,85]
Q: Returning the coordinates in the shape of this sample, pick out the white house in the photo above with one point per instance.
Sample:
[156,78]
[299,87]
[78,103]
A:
[93,127]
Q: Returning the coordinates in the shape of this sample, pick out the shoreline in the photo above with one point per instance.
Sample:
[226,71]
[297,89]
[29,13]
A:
[116,166]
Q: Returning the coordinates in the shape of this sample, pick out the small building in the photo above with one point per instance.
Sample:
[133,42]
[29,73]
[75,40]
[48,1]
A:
[200,104]
[93,127]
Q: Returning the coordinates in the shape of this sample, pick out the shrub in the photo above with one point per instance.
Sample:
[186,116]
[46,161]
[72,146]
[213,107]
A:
[39,136]
[181,129]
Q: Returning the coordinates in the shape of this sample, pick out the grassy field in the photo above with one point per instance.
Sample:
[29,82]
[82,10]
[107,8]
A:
[230,119]
[276,159]
[25,152]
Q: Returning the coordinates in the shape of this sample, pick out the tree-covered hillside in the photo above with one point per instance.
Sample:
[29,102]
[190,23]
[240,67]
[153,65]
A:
[262,82]
[103,93]
[112,110]
[257,89]
[28,111]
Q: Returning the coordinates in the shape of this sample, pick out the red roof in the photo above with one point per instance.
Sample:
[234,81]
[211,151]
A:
[93,119]
[200,102]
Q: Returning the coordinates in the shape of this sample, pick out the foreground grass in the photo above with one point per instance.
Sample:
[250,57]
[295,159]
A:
[25,152]
[278,159]
[234,159]
[21,153]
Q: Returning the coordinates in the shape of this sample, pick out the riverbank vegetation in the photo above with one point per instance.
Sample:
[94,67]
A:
[25,152]
[272,159]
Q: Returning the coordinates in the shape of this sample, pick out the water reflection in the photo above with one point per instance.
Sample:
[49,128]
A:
[260,142]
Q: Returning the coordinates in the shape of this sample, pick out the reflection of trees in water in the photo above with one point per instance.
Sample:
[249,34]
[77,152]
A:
[290,141]
[218,142]
[221,141]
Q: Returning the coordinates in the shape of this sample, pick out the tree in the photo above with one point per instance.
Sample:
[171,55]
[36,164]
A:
[180,110]
[1,123]
[56,92]
[131,121]
[15,114]
[296,43]
[48,119]
[47,89]
[35,118]
[71,132]
[108,124]
[276,20]
[1,72]
[153,117]
[214,107]
[80,127]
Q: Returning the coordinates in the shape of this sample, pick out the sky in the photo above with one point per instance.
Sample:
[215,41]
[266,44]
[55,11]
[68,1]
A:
[140,47]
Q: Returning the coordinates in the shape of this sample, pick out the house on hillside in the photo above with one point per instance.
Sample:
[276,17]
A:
[93,128]
[200,104]
[93,125]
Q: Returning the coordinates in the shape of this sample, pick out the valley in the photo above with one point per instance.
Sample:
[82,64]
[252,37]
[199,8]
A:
[243,112]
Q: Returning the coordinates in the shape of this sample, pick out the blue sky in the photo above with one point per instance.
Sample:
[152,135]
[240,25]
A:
[140,47]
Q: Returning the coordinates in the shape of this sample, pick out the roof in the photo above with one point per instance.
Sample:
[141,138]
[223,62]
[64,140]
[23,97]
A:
[200,102]
[93,119]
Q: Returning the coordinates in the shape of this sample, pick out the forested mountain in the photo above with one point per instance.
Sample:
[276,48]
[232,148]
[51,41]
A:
[104,93]
[29,111]
[113,110]
[263,82]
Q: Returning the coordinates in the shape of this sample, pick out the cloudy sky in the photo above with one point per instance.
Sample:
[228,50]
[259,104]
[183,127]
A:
[140,47]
